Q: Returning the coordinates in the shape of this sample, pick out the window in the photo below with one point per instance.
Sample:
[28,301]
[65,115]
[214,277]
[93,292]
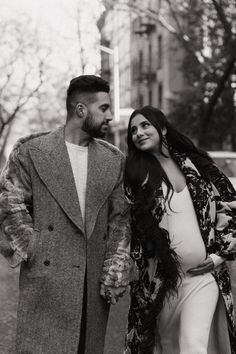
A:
[150,55]
[140,100]
[160,96]
[160,53]
[150,97]
[140,63]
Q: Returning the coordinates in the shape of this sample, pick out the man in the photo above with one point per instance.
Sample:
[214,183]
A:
[65,219]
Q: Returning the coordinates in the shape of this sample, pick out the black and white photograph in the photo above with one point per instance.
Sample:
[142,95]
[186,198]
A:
[117,177]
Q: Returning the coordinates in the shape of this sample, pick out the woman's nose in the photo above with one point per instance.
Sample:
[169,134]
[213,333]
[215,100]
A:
[139,132]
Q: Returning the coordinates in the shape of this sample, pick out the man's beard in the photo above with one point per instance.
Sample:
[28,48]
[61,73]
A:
[92,128]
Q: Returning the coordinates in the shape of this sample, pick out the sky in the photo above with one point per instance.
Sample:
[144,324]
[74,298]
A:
[56,23]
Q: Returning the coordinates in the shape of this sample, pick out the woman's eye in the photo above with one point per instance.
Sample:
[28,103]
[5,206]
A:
[146,124]
[133,131]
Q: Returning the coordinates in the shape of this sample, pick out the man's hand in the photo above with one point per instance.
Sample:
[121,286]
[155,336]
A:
[112,294]
[204,267]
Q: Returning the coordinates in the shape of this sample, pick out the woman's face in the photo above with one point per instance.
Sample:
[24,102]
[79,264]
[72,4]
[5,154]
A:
[144,135]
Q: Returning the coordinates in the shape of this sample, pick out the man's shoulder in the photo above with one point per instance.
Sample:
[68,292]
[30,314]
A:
[38,140]
[28,139]
[110,147]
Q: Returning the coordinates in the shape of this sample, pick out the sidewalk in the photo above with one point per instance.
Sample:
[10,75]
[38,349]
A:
[8,304]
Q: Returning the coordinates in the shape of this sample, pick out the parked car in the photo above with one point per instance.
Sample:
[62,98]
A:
[226,161]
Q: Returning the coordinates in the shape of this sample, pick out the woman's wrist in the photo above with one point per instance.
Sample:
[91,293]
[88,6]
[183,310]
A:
[217,260]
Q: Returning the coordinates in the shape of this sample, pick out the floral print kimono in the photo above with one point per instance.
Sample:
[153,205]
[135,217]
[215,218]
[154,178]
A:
[214,201]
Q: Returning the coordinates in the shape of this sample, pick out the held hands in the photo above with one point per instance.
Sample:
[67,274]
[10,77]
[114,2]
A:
[112,294]
[204,267]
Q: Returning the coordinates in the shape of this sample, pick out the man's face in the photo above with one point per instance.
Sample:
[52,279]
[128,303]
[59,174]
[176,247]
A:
[99,115]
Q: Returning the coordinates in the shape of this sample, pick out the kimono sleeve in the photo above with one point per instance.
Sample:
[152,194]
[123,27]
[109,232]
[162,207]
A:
[117,261]
[15,203]
[225,226]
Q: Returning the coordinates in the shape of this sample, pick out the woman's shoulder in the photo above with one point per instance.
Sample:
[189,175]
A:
[222,183]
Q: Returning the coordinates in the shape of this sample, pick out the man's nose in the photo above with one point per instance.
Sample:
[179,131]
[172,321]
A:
[109,116]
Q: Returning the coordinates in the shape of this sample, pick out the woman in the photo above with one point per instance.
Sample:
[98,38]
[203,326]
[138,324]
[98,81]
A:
[183,223]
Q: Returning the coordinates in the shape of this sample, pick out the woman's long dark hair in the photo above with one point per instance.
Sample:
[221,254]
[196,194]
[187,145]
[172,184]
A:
[139,163]
[143,176]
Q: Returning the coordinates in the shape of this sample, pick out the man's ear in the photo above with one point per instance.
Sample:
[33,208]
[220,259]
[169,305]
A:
[81,110]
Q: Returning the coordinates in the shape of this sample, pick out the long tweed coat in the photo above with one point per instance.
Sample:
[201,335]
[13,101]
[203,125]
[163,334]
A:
[214,200]
[41,219]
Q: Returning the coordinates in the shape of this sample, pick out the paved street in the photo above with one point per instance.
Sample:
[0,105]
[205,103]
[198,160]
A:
[8,303]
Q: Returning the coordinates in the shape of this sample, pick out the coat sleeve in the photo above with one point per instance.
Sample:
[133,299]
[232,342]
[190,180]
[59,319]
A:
[225,226]
[117,261]
[15,205]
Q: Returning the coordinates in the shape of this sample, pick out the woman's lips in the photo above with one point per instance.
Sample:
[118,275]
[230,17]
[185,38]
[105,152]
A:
[142,140]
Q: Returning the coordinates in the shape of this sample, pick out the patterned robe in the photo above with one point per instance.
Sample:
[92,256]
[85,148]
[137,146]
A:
[214,201]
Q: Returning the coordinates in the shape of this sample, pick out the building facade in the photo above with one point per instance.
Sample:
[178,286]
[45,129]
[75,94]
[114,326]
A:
[150,57]
[115,28]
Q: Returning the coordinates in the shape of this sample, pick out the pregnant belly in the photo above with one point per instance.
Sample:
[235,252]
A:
[190,254]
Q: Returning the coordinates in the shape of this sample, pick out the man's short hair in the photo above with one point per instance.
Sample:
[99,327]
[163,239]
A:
[84,85]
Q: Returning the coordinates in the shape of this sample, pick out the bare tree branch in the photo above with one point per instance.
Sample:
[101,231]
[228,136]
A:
[3,112]
[81,47]
[221,15]
[154,15]
[184,39]
[19,107]
[4,141]
[230,65]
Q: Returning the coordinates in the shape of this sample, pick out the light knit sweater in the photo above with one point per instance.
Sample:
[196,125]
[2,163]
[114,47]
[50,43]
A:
[79,162]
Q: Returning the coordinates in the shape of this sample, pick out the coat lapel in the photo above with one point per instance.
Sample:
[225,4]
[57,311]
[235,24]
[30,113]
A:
[101,179]
[201,194]
[51,161]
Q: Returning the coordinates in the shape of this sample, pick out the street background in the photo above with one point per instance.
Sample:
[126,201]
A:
[8,305]
[177,55]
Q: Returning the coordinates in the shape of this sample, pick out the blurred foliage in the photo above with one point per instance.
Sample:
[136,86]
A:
[26,80]
[37,62]
[206,32]
[32,88]
[206,107]
[19,79]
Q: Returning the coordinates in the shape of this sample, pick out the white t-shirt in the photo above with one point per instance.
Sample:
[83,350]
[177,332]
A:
[79,162]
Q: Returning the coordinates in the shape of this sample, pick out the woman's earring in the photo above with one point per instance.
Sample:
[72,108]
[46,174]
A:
[164,141]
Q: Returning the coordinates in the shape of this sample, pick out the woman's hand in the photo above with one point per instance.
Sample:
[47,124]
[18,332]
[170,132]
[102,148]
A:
[204,267]
[112,294]
[232,246]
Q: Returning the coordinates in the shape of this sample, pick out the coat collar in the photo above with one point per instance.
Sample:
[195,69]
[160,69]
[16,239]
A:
[202,195]
[51,160]
[101,179]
